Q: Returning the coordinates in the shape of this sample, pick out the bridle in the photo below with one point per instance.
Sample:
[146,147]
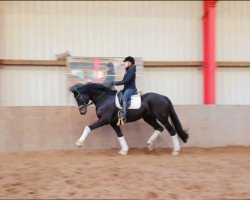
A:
[84,105]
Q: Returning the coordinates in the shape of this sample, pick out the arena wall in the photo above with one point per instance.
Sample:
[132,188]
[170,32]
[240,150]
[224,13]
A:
[48,128]
[157,30]
[154,30]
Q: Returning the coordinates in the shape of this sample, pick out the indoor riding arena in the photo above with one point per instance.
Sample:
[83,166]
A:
[196,53]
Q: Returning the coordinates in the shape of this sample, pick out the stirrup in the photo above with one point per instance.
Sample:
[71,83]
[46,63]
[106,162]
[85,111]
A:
[120,118]
[120,122]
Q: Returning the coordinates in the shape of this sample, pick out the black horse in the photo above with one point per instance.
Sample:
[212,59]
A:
[153,107]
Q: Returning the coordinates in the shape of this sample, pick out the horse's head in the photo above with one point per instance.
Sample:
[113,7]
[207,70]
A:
[89,91]
[81,98]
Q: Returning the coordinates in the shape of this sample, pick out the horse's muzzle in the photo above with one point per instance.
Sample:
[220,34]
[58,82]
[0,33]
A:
[82,109]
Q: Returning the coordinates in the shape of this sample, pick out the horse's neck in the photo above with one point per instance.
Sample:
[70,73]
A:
[97,95]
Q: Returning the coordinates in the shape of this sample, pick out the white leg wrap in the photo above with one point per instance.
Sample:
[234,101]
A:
[176,143]
[123,143]
[153,137]
[85,134]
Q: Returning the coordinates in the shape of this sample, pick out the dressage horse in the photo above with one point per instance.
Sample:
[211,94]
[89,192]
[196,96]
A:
[153,107]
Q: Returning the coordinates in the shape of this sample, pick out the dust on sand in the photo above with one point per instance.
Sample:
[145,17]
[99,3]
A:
[216,173]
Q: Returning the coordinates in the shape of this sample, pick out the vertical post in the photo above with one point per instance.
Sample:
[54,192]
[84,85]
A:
[209,63]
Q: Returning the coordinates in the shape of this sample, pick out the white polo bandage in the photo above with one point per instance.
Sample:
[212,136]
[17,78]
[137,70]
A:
[123,143]
[153,137]
[85,134]
[176,143]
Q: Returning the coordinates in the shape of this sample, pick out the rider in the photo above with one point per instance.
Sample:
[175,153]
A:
[129,83]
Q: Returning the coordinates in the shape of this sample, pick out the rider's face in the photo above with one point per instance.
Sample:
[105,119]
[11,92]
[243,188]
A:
[127,64]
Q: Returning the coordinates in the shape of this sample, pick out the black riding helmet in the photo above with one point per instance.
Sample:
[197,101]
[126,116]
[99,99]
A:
[129,59]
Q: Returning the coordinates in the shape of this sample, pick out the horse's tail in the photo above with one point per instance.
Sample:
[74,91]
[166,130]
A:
[177,124]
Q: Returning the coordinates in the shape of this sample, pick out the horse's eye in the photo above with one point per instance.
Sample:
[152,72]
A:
[81,98]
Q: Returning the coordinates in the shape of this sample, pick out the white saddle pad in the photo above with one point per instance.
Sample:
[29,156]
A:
[135,102]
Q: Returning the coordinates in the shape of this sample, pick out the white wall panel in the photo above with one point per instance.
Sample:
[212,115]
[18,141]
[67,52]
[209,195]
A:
[233,86]
[47,86]
[233,31]
[181,85]
[34,86]
[162,30]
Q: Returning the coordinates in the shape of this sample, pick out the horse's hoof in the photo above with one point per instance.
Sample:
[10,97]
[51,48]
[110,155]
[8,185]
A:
[123,152]
[150,147]
[175,153]
[79,143]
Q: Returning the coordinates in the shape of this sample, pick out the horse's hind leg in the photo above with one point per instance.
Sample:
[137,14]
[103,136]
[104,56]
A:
[121,139]
[151,120]
[172,132]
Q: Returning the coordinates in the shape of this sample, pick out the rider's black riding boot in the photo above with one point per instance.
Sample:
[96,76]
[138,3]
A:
[125,110]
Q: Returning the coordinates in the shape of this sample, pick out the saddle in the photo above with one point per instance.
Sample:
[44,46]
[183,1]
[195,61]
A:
[133,103]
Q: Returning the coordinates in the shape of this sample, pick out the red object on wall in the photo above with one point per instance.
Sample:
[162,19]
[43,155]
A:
[96,70]
[209,63]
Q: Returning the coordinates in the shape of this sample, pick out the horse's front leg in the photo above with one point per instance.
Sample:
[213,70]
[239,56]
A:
[121,139]
[88,129]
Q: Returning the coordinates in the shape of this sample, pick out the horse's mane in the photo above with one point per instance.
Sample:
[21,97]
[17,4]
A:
[92,86]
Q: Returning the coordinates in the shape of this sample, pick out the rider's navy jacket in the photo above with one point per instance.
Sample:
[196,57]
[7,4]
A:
[129,78]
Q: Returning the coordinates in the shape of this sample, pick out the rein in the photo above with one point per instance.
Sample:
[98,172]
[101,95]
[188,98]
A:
[92,102]
[95,99]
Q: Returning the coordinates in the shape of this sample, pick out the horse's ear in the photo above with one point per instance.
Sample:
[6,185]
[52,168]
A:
[71,89]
